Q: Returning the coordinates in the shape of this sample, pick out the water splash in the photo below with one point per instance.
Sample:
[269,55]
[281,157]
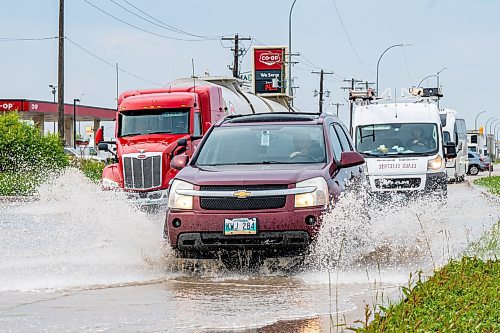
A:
[76,235]
[365,232]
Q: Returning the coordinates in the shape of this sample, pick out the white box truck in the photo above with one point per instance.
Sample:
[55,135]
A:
[403,145]
[455,130]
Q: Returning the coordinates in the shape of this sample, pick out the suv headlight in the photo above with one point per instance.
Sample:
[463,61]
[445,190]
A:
[435,164]
[319,197]
[179,201]
[108,183]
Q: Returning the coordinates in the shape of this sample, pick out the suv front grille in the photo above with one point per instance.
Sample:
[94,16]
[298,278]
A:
[142,173]
[250,203]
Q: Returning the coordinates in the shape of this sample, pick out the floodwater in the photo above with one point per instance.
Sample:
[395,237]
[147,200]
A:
[82,260]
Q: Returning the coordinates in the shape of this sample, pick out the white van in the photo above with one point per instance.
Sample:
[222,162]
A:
[403,146]
[455,130]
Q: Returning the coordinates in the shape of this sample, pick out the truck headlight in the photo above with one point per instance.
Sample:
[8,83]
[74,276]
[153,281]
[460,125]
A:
[435,164]
[179,201]
[319,197]
[108,183]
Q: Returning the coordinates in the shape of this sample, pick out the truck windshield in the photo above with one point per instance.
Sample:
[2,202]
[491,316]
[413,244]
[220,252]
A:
[143,122]
[263,144]
[397,139]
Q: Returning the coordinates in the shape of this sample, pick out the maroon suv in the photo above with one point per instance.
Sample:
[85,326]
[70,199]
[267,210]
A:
[259,182]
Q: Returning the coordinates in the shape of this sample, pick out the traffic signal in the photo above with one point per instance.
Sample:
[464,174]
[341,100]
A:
[481,130]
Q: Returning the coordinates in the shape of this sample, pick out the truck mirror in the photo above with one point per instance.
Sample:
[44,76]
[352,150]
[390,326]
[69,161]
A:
[182,142]
[450,149]
[206,126]
[179,162]
[102,146]
[99,136]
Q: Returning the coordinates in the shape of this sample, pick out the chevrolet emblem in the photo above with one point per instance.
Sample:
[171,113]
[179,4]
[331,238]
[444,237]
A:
[241,194]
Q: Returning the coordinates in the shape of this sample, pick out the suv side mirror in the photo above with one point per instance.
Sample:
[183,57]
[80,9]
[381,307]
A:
[450,149]
[351,158]
[179,162]
[103,146]
[182,142]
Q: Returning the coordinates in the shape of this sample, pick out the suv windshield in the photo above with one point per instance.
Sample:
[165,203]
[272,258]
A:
[397,139]
[141,122]
[263,144]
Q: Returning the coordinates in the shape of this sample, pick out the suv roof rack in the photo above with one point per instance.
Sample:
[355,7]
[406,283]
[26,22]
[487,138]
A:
[271,117]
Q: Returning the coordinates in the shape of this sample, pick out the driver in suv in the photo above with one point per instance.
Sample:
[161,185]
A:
[305,147]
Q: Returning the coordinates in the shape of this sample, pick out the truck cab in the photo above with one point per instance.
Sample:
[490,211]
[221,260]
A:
[403,146]
[152,126]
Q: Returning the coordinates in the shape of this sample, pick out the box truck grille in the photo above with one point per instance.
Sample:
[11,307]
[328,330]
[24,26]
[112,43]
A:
[250,203]
[142,173]
[395,183]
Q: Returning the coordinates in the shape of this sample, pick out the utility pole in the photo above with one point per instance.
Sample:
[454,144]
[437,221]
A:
[367,84]
[337,105]
[237,52]
[321,73]
[60,74]
[353,81]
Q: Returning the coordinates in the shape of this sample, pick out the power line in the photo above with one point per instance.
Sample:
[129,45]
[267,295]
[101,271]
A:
[9,39]
[141,29]
[349,38]
[162,25]
[111,64]
[310,62]
[168,25]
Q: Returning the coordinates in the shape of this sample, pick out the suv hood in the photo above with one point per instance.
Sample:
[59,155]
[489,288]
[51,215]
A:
[251,174]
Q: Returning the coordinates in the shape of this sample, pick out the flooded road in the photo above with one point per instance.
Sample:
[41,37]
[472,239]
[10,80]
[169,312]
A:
[80,260]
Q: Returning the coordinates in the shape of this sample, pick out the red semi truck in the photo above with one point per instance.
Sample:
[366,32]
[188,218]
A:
[152,126]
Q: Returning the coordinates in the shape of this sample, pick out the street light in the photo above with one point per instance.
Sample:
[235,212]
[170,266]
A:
[494,121]
[475,120]
[486,125]
[290,90]
[74,121]
[433,75]
[53,91]
[387,49]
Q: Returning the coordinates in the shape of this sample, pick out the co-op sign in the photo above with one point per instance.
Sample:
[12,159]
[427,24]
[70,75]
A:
[269,70]
[11,105]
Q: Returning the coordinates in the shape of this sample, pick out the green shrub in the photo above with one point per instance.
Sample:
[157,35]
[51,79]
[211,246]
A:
[460,297]
[27,158]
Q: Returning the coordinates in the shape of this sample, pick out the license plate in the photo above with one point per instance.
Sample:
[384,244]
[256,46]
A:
[240,226]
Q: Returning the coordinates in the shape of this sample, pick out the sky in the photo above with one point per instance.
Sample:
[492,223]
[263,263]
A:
[346,37]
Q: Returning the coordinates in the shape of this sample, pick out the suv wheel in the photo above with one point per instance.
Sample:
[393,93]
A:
[474,170]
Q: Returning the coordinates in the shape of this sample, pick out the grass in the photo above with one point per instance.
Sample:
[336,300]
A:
[488,246]
[462,296]
[491,183]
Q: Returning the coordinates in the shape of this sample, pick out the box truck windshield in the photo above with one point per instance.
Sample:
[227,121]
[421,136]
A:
[397,139]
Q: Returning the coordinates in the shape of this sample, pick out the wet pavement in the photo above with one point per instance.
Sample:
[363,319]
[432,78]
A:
[80,260]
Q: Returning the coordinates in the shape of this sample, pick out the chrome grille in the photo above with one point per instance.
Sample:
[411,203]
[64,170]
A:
[142,173]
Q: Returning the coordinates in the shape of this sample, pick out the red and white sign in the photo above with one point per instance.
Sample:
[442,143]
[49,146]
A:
[11,105]
[268,58]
